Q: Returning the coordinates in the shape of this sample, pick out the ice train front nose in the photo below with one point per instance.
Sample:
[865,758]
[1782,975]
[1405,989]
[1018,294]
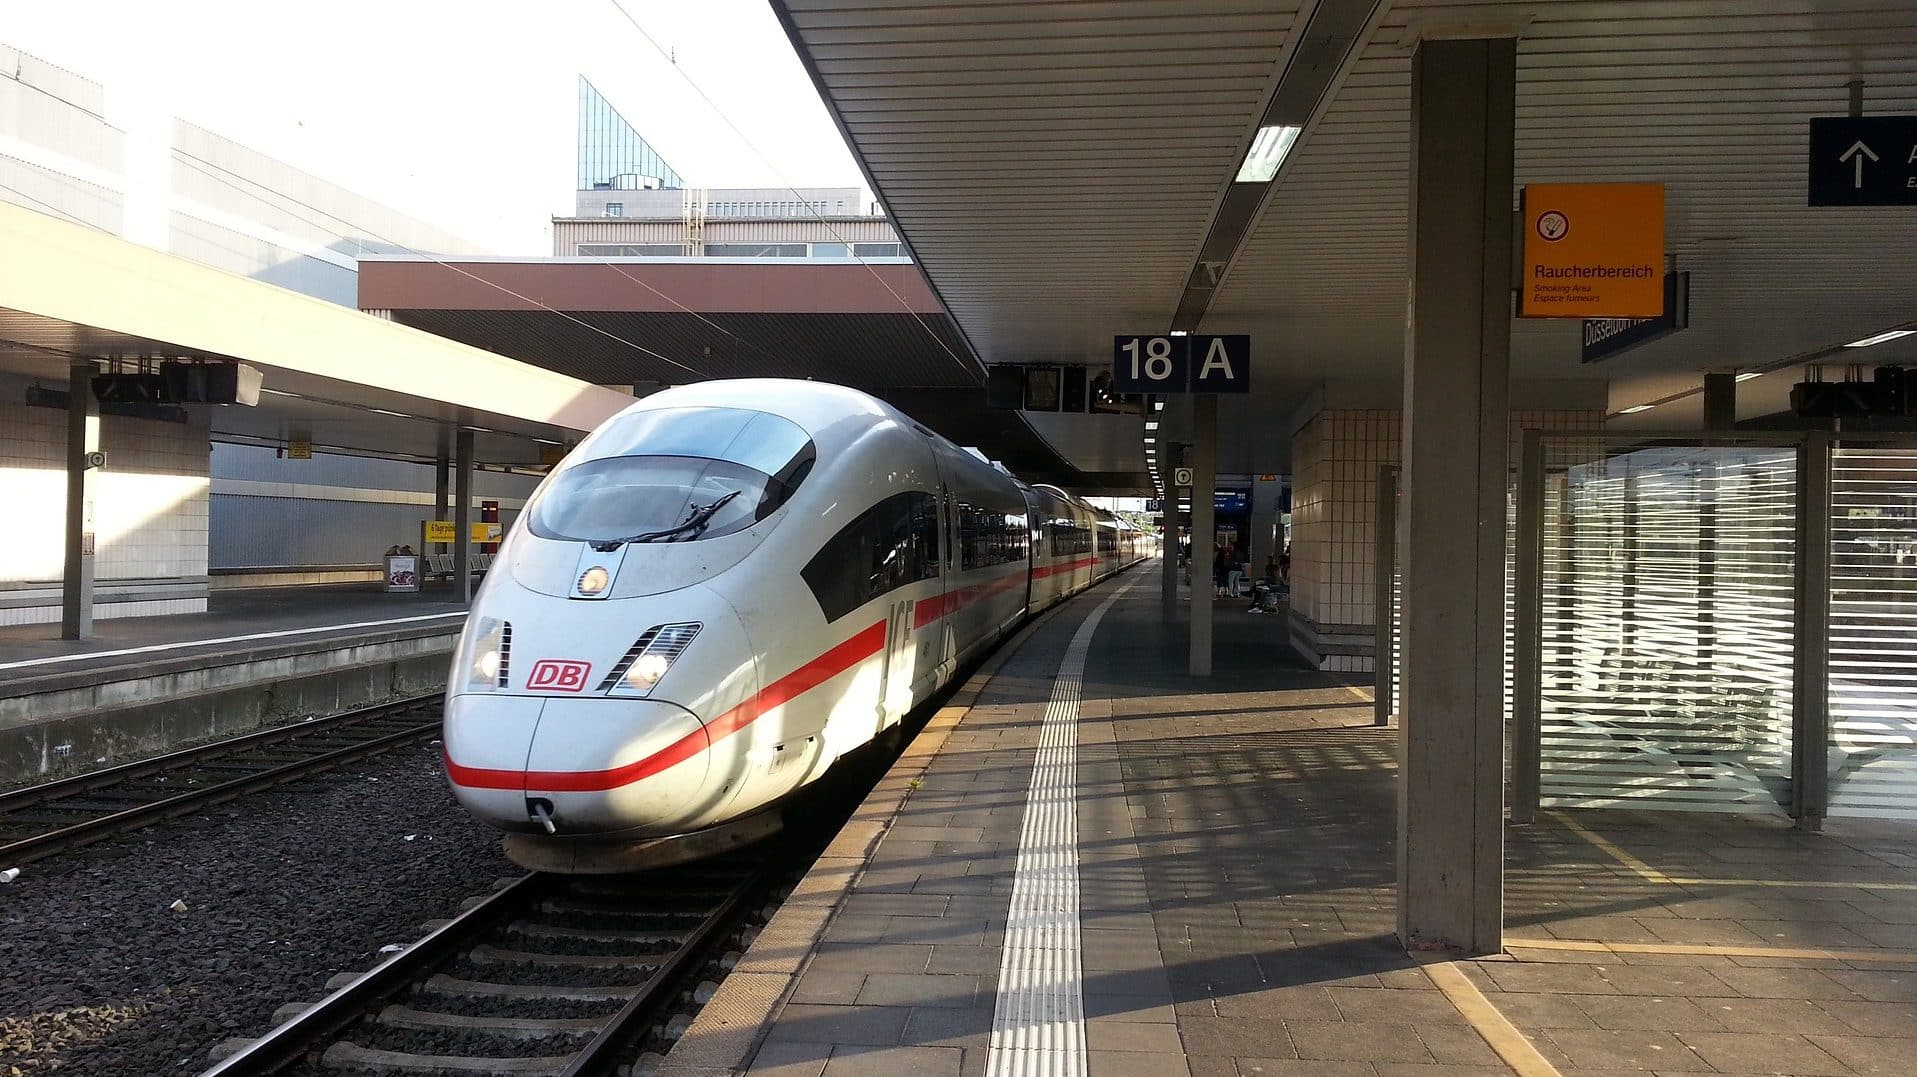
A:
[611,743]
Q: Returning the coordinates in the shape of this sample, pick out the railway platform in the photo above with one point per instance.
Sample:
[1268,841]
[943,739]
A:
[1091,863]
[256,657]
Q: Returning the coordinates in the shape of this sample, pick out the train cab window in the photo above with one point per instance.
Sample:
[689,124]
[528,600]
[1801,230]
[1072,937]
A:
[889,545]
[675,475]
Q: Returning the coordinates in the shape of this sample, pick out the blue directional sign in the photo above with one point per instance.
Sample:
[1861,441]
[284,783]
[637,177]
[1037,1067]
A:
[1863,161]
[1181,364]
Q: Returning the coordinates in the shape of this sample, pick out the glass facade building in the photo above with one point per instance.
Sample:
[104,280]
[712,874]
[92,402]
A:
[613,156]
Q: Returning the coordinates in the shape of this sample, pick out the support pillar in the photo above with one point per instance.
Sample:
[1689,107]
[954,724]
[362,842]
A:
[1265,542]
[1168,581]
[1720,400]
[1456,425]
[1204,503]
[83,437]
[463,515]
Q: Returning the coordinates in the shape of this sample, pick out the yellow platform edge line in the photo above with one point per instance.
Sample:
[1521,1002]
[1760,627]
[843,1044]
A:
[1704,950]
[1511,1045]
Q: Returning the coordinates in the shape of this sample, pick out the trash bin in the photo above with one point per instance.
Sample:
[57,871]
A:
[402,573]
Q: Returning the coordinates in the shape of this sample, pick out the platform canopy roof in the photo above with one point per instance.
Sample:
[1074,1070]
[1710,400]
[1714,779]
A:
[1064,172]
[341,378]
[872,324]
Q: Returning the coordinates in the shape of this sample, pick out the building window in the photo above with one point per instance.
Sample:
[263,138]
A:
[876,250]
[828,250]
[615,209]
[755,250]
[632,250]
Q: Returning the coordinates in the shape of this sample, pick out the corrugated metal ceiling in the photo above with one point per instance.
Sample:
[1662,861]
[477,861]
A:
[1055,166]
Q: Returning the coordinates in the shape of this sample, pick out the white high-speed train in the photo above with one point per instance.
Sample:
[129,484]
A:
[718,594]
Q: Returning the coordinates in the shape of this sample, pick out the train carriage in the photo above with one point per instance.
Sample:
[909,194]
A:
[718,594]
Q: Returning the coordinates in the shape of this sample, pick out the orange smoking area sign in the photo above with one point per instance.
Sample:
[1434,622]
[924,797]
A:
[1592,250]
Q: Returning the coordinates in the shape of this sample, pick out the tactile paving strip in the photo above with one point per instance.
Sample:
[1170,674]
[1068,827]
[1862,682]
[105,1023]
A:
[1038,1024]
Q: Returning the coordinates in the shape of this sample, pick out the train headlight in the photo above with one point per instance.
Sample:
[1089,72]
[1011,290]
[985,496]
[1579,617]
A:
[489,660]
[594,580]
[651,655]
[646,671]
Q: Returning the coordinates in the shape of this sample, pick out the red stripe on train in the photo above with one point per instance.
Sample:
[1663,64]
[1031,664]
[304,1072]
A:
[794,684]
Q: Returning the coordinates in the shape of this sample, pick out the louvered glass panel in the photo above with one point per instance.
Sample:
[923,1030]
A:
[1873,633]
[1667,626]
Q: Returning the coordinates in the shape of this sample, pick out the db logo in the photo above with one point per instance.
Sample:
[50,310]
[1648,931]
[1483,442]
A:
[558,675]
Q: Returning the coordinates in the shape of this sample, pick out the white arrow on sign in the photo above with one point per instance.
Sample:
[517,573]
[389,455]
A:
[1858,151]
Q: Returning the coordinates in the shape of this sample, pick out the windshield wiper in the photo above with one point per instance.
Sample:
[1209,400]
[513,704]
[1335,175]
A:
[696,522]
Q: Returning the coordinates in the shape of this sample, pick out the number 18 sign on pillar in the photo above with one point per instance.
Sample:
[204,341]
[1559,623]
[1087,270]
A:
[1181,364]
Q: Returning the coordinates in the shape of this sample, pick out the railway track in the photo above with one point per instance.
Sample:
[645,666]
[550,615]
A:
[560,975]
[42,820]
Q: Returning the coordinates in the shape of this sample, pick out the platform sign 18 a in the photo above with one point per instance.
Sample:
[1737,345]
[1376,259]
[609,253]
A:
[1181,364]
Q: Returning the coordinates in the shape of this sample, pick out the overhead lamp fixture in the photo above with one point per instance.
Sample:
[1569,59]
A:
[1749,374]
[1149,441]
[1158,405]
[1181,332]
[1635,408]
[383,411]
[1267,152]
[1888,334]
[276,392]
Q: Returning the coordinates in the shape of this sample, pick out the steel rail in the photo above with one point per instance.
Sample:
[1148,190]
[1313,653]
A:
[293,1040]
[32,795]
[51,842]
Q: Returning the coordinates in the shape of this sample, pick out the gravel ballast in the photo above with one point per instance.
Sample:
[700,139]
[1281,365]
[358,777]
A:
[105,976]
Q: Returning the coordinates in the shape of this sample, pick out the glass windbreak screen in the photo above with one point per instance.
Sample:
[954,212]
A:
[1667,625]
[1873,633]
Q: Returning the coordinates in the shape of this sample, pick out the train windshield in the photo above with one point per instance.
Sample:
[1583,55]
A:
[676,475]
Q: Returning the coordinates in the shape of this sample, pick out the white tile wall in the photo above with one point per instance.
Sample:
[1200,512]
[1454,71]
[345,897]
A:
[1335,462]
[149,504]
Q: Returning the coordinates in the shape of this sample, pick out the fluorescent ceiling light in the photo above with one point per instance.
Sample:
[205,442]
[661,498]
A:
[1181,332]
[1749,374]
[394,414]
[1149,441]
[1267,152]
[1889,334]
[1158,405]
[277,392]
[1635,408]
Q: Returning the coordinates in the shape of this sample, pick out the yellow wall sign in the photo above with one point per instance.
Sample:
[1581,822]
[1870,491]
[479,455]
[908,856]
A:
[487,532]
[1593,250]
[299,450]
[440,531]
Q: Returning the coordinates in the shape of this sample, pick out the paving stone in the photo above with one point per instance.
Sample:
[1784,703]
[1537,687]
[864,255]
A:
[827,987]
[1665,979]
[1311,1067]
[1538,1011]
[893,1061]
[1273,1003]
[839,957]
[1456,1044]
[1633,1050]
[949,1026]
[1235,1037]
[1870,1055]
[1556,979]
[1800,1016]
[1868,1018]
[1638,1012]
[1784,983]
[1135,1064]
[1393,1006]
[783,1059]
[1878,985]
[1747,1052]
[1134,1036]
[918,989]
[840,1024]
[1357,1041]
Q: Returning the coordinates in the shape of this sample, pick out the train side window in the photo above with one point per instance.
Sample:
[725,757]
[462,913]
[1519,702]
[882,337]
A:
[891,544]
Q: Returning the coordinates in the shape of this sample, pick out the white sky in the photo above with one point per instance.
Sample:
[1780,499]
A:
[458,113]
